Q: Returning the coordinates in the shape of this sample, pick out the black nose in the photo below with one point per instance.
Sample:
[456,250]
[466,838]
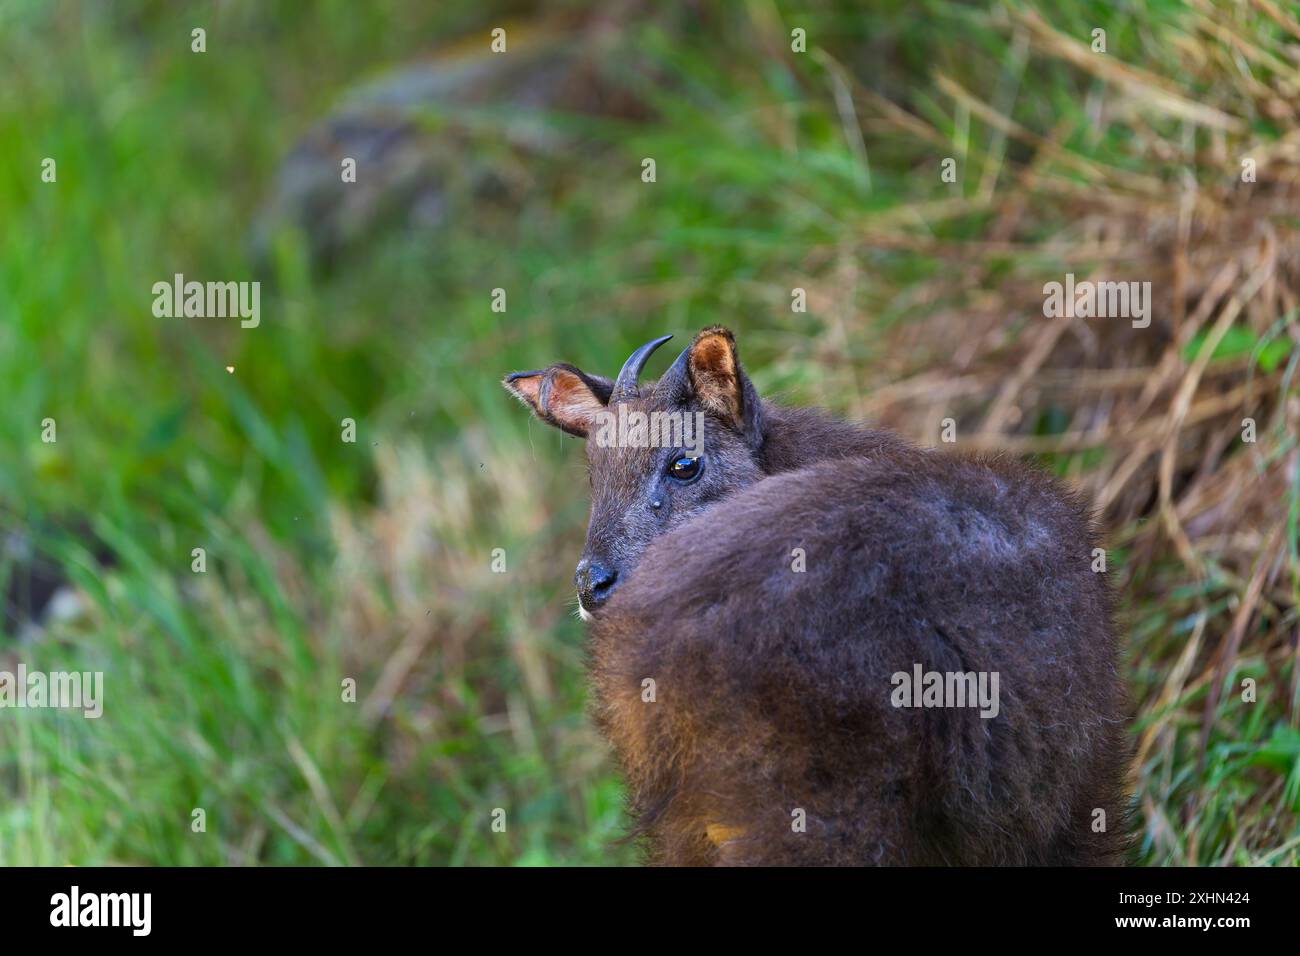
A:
[595,582]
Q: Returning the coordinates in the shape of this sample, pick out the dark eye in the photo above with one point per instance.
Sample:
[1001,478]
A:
[685,468]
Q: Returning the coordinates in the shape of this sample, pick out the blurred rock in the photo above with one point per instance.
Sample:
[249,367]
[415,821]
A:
[36,591]
[435,140]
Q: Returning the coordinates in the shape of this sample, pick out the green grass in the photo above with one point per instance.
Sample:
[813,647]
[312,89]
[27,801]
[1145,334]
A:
[371,561]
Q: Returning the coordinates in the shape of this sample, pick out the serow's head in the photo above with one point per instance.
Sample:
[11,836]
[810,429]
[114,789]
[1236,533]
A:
[658,453]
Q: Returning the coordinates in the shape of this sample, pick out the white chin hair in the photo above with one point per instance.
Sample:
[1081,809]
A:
[583,612]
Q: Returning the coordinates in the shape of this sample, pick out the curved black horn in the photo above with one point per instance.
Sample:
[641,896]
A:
[674,380]
[625,386]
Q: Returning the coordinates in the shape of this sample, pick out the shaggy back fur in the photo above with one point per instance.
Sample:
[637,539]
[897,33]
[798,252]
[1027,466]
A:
[772,734]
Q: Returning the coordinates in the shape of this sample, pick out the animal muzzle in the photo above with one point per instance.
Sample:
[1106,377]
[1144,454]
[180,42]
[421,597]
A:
[595,581]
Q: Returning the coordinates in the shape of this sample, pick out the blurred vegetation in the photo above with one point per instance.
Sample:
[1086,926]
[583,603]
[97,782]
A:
[372,560]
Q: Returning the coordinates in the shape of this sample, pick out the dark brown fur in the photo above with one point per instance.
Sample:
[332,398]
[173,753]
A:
[772,687]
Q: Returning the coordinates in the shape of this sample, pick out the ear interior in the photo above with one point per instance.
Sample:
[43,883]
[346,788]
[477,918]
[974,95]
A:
[561,395]
[715,374]
[526,386]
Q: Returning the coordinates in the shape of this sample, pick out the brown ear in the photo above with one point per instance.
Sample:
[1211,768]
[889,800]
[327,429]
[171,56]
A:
[562,395]
[715,374]
[709,372]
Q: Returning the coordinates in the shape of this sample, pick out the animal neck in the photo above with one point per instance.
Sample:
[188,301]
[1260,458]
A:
[798,437]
